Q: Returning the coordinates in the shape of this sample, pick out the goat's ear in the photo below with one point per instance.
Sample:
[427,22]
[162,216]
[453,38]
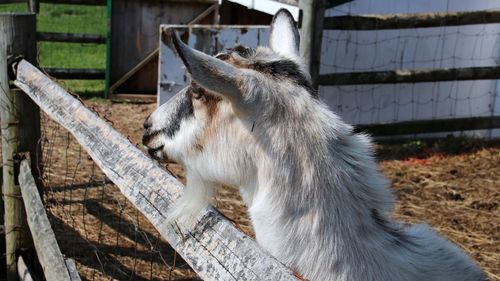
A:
[211,73]
[284,37]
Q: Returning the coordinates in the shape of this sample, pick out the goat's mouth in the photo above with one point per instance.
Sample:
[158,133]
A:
[156,153]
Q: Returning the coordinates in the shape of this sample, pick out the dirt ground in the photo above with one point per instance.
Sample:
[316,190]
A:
[452,185]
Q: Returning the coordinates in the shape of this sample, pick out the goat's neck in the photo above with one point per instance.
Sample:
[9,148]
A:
[310,192]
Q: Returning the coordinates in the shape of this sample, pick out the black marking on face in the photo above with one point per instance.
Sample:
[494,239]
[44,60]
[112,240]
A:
[400,238]
[184,110]
[279,69]
[242,51]
[224,56]
[285,69]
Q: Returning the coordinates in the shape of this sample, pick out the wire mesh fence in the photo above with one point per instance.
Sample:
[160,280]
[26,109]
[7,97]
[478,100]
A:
[443,47]
[94,223]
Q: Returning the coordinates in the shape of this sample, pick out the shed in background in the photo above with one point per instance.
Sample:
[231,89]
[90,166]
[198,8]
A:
[133,47]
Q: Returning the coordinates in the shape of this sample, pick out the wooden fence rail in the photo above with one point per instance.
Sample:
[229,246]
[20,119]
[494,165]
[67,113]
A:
[70,37]
[76,73]
[75,2]
[410,76]
[431,126]
[50,257]
[211,245]
[400,21]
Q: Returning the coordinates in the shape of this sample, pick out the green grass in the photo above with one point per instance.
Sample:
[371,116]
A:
[70,19]
[13,8]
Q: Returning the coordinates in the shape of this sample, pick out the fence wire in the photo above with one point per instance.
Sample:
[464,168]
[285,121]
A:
[94,223]
[419,48]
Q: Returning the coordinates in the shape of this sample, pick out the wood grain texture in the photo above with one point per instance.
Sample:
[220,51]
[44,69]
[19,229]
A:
[20,132]
[410,76]
[211,245]
[47,249]
[73,272]
[135,33]
[400,21]
[431,126]
[70,37]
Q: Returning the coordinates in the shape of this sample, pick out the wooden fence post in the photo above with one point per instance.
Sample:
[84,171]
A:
[20,125]
[311,34]
[34,6]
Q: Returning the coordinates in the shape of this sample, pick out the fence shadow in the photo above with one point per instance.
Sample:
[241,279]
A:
[101,257]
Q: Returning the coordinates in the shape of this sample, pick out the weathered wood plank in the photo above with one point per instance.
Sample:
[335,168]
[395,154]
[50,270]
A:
[70,37]
[34,6]
[410,76]
[400,21]
[431,126]
[73,272]
[103,2]
[213,247]
[137,21]
[77,2]
[13,213]
[12,1]
[76,73]
[47,249]
[18,134]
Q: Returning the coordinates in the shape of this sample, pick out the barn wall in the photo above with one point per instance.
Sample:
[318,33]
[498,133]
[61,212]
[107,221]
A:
[134,35]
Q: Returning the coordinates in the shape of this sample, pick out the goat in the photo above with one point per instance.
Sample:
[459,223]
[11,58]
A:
[315,196]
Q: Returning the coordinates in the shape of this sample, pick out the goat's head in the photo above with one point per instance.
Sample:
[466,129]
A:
[211,122]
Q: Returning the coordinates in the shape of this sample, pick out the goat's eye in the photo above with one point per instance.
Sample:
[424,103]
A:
[197,95]
[197,92]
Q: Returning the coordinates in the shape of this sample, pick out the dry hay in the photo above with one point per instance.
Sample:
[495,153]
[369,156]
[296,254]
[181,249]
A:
[459,195]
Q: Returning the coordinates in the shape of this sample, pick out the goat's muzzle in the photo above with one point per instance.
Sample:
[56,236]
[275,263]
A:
[147,137]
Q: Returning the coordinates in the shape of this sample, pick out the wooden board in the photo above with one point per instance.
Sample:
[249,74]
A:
[50,257]
[211,245]
[134,35]
[401,21]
